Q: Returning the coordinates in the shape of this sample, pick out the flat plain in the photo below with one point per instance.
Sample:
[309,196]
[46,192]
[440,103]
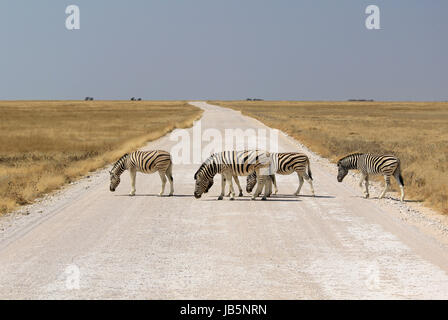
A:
[46,144]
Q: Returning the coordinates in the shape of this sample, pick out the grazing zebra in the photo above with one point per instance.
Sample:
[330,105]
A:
[369,164]
[229,164]
[146,162]
[286,163]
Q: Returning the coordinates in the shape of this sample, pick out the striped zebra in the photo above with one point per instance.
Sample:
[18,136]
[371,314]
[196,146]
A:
[369,164]
[146,162]
[229,164]
[285,163]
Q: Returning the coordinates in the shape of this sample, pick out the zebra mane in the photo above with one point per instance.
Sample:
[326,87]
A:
[351,155]
[118,162]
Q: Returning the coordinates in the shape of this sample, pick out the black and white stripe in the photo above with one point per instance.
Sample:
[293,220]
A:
[286,163]
[145,162]
[370,164]
[229,164]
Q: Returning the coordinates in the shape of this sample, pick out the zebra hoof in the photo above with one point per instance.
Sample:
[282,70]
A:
[232,199]
[264,198]
[241,194]
[220,197]
[132,193]
[367,196]
[170,195]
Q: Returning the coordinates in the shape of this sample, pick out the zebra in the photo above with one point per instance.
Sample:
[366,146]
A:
[285,163]
[370,164]
[146,162]
[229,164]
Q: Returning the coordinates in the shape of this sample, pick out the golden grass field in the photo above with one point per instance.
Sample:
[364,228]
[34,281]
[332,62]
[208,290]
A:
[416,132]
[45,144]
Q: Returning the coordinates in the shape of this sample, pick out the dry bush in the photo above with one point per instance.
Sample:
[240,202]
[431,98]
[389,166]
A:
[44,144]
[417,132]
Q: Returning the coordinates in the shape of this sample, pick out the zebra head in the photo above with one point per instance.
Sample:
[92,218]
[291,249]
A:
[251,181]
[114,181]
[202,184]
[342,171]
[347,163]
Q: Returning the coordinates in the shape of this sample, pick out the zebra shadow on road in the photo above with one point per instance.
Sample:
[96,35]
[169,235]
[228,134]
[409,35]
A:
[249,198]
[303,196]
[157,195]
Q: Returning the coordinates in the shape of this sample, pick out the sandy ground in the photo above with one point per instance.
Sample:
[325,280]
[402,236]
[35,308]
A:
[336,245]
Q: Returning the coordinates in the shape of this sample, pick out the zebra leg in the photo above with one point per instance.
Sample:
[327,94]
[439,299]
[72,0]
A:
[163,178]
[399,178]
[274,182]
[229,182]
[260,185]
[169,175]
[310,181]
[223,186]
[267,188]
[237,181]
[133,174]
[386,185]
[367,187]
[364,178]
[300,184]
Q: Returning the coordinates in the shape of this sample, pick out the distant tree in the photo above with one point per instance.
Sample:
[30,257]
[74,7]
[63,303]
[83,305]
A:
[132,99]
[86,98]
[139,99]
[91,99]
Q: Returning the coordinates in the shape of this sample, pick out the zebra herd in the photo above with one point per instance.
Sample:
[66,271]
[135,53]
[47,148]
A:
[260,168]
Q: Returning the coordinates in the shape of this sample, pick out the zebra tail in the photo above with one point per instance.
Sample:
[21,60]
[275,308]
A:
[400,177]
[170,170]
[309,170]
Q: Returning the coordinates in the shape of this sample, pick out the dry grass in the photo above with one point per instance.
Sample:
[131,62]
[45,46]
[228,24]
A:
[415,132]
[44,144]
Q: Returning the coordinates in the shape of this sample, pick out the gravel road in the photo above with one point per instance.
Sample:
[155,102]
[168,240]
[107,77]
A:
[85,242]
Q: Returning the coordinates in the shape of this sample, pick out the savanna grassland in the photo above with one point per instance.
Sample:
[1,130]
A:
[45,144]
[417,132]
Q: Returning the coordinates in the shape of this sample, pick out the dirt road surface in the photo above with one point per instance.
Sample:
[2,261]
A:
[333,246]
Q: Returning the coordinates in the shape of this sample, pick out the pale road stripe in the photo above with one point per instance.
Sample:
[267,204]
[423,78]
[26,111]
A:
[334,246]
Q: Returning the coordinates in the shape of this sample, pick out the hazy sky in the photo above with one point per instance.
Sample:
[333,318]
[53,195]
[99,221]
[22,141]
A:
[224,49]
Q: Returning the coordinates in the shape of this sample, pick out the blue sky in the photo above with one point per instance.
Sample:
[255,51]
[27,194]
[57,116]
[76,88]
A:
[226,49]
